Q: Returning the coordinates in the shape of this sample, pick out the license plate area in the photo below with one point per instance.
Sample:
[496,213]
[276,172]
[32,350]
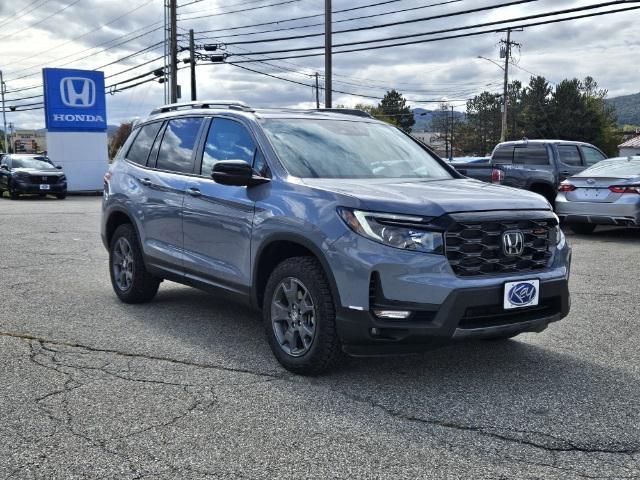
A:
[45,187]
[521,294]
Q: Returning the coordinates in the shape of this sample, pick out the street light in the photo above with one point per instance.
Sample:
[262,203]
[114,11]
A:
[492,61]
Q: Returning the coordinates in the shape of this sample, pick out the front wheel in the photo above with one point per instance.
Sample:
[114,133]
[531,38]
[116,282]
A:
[13,194]
[61,196]
[129,277]
[300,317]
[582,228]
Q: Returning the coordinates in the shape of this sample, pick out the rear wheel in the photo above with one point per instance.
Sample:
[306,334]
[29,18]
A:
[300,317]
[13,194]
[130,279]
[582,228]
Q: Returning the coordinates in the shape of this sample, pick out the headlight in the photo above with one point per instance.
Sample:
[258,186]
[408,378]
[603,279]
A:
[400,231]
[560,238]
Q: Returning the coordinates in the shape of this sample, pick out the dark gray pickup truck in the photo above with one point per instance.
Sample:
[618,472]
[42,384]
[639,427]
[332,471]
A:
[535,165]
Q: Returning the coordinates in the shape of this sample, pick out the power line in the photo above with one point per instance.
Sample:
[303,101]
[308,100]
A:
[16,15]
[285,2]
[468,27]
[390,24]
[40,21]
[393,12]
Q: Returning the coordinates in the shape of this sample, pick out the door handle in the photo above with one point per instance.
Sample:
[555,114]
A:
[145,181]
[194,192]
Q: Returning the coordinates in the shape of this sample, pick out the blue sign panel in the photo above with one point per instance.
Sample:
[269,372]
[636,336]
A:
[74,100]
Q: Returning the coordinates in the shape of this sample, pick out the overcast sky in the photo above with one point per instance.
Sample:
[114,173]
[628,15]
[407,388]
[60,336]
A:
[92,33]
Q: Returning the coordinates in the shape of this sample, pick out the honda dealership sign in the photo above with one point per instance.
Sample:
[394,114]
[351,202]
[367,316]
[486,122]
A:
[74,100]
[76,120]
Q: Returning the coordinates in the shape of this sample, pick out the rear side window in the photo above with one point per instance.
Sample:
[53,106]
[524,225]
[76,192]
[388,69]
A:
[139,151]
[531,155]
[178,143]
[569,155]
[503,155]
[227,140]
[592,156]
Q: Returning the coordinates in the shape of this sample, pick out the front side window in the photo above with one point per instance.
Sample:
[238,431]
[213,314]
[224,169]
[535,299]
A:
[592,156]
[531,155]
[178,142]
[227,140]
[139,150]
[569,155]
[314,148]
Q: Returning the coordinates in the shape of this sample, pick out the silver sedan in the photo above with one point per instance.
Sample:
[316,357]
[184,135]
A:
[607,193]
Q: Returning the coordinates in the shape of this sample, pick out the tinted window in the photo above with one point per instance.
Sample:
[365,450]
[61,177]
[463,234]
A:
[139,150]
[569,155]
[227,140]
[311,148]
[177,146]
[592,156]
[30,162]
[531,155]
[503,155]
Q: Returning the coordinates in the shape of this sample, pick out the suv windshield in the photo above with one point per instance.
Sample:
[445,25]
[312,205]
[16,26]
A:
[311,148]
[31,162]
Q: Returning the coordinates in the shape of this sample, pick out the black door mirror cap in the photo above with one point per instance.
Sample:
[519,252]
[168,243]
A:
[59,167]
[4,167]
[236,173]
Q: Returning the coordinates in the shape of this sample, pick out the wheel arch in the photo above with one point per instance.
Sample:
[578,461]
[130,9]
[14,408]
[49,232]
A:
[114,220]
[277,248]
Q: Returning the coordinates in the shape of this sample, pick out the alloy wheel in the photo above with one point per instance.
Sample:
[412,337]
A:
[123,264]
[293,317]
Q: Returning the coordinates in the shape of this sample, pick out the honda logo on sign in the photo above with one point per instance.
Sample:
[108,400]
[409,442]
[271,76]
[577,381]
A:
[513,243]
[78,92]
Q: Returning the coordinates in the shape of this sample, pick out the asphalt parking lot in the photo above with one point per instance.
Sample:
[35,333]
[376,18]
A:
[186,387]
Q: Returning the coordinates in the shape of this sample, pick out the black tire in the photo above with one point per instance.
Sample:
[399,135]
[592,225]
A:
[325,349]
[582,228]
[13,194]
[143,286]
[61,196]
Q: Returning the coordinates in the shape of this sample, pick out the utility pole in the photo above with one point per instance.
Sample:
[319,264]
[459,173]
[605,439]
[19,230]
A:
[173,50]
[327,54]
[506,52]
[192,64]
[452,124]
[4,113]
[317,92]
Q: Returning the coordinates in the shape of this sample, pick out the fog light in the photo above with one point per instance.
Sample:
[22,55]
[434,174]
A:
[392,314]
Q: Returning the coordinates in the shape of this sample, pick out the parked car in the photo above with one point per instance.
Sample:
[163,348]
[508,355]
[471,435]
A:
[31,174]
[606,194]
[348,234]
[535,165]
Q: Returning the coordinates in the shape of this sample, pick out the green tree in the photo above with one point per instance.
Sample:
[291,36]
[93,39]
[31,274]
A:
[482,130]
[394,109]
[535,112]
[119,138]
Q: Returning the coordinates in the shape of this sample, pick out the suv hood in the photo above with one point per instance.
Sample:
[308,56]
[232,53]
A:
[431,197]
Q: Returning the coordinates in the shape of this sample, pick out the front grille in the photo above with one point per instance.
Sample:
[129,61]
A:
[40,179]
[474,248]
[496,315]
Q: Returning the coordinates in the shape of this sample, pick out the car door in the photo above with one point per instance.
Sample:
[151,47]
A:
[218,218]
[569,161]
[160,187]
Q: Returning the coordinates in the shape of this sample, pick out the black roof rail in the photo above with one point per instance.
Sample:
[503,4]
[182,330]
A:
[231,104]
[345,111]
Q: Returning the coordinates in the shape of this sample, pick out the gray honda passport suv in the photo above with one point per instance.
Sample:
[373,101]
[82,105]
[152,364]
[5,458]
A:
[350,236]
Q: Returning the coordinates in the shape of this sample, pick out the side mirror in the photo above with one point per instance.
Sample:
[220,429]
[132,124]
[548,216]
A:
[59,167]
[4,167]
[237,173]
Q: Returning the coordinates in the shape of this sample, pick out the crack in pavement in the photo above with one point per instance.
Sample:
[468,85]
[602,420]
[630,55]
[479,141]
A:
[553,444]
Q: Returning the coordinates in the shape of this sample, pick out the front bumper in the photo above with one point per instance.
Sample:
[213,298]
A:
[465,314]
[34,188]
[446,307]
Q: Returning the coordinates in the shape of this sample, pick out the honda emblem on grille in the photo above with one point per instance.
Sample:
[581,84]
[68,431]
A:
[513,243]
[44,179]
